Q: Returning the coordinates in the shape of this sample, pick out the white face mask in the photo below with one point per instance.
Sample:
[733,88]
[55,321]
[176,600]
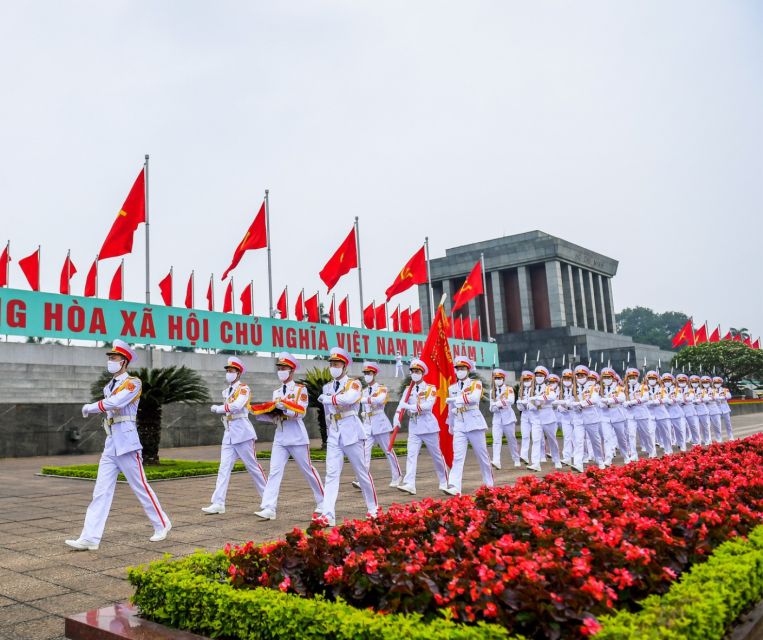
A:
[567,383]
[668,384]
[539,379]
[461,374]
[706,385]
[230,376]
[368,378]
[582,379]
[652,382]
[499,382]
[113,366]
[717,385]
[526,383]
[682,385]
[607,381]
[695,384]
[283,376]
[336,372]
[416,377]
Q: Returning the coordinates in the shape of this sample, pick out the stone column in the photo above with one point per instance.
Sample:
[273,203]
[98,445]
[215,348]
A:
[599,291]
[500,322]
[426,321]
[609,305]
[569,295]
[590,300]
[555,293]
[580,297]
[525,298]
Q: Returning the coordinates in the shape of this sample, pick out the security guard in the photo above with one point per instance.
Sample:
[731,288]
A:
[290,439]
[121,452]
[239,436]
[341,399]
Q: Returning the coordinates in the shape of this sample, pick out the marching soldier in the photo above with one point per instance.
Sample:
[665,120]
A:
[341,399]
[611,403]
[238,438]
[636,397]
[121,452]
[687,404]
[290,438]
[544,422]
[657,400]
[700,406]
[528,413]
[467,425]
[675,410]
[588,400]
[423,427]
[724,395]
[504,420]
[713,407]
[375,422]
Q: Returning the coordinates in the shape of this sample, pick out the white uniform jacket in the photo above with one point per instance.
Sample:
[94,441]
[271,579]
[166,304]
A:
[235,418]
[502,399]
[290,430]
[375,421]
[421,421]
[612,399]
[657,399]
[342,407]
[589,401]
[637,398]
[120,404]
[544,399]
[464,413]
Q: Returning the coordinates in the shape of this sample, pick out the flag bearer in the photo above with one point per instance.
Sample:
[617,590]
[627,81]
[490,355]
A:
[467,425]
[723,396]
[423,428]
[121,452]
[504,420]
[290,438]
[341,399]
[238,438]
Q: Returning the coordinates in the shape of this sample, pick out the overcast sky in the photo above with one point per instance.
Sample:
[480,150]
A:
[633,129]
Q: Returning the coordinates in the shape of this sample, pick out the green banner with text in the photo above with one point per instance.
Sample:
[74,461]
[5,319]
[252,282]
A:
[50,315]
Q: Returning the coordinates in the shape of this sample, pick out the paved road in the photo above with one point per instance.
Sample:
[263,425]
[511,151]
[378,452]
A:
[41,580]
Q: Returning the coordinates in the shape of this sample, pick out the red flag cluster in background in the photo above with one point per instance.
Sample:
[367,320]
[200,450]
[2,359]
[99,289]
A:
[689,336]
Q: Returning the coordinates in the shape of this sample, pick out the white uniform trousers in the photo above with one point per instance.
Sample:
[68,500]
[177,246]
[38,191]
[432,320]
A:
[461,441]
[726,418]
[693,422]
[279,456]
[109,466]
[644,428]
[662,428]
[525,428]
[679,432]
[432,441]
[620,429]
[715,424]
[704,428]
[382,439]
[334,462]
[537,455]
[578,440]
[508,430]
[608,440]
[229,453]
[568,440]
[593,440]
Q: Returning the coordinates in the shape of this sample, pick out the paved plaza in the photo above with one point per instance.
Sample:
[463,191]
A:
[42,580]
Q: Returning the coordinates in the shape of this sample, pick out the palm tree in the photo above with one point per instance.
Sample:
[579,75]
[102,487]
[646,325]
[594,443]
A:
[742,332]
[159,387]
[314,380]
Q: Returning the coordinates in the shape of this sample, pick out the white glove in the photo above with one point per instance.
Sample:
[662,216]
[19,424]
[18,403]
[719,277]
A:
[450,400]
[85,411]
[323,398]
[280,405]
[217,408]
[396,422]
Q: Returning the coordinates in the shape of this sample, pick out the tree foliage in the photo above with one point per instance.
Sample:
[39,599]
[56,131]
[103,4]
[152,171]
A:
[159,387]
[646,326]
[733,361]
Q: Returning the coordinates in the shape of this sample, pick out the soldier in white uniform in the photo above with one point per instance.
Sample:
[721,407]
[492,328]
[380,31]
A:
[588,400]
[504,420]
[657,399]
[238,438]
[376,424]
[611,403]
[398,365]
[700,405]
[290,438]
[569,410]
[675,410]
[121,452]
[467,424]
[642,425]
[713,408]
[544,421]
[723,396]
[423,428]
[341,399]
[690,411]
[528,413]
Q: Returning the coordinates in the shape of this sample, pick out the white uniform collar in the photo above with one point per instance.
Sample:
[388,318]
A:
[121,377]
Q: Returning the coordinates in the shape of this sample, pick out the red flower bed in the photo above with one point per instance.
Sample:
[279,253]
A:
[543,557]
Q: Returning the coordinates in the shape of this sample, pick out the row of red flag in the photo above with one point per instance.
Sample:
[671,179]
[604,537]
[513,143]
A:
[688,335]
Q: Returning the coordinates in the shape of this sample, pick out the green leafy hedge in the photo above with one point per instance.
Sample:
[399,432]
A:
[704,603]
[194,594]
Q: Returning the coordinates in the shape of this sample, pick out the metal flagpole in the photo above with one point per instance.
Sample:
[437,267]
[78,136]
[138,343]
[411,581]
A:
[96,276]
[267,238]
[122,278]
[429,281]
[251,297]
[232,297]
[193,289]
[484,296]
[148,258]
[39,265]
[360,271]
[68,272]
[349,322]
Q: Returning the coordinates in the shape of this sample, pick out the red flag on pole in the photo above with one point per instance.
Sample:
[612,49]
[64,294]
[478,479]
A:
[31,268]
[436,354]
[416,321]
[67,272]
[756,344]
[405,320]
[256,237]
[299,308]
[283,304]
[466,328]
[728,336]
[715,336]
[747,341]
[380,317]
[344,259]
[116,290]
[332,315]
[91,282]
[211,294]
[458,329]
[312,309]
[471,288]
[228,298]
[700,335]
[476,329]
[5,262]
[247,295]
[369,313]
[395,317]
[119,240]
[189,292]
[685,335]
[344,311]
[165,288]
[414,272]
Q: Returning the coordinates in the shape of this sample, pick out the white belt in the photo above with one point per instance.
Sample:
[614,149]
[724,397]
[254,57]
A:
[234,416]
[108,422]
[336,417]
[372,413]
[466,409]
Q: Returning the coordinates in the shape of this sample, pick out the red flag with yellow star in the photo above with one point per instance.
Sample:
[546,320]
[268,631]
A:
[132,213]
[685,335]
[471,288]
[344,259]
[256,237]
[438,358]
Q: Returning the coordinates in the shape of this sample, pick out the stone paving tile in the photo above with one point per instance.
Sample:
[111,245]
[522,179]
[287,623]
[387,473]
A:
[16,613]
[25,588]
[42,629]
[68,603]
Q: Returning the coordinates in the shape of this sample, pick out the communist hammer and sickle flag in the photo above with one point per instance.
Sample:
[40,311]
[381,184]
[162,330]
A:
[414,272]
[471,288]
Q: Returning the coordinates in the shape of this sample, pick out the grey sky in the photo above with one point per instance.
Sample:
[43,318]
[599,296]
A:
[633,129]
